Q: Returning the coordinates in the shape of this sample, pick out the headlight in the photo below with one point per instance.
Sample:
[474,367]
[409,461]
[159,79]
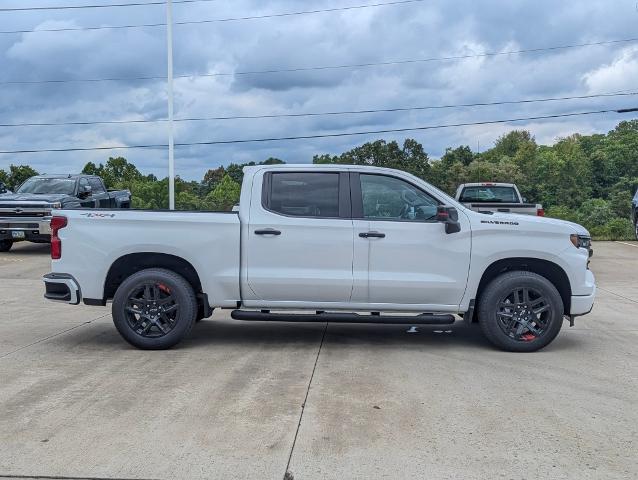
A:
[56,205]
[581,241]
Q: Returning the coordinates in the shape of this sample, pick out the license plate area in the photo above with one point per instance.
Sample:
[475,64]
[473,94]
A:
[17,234]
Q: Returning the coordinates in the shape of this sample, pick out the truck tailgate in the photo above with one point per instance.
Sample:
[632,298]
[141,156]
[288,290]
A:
[93,240]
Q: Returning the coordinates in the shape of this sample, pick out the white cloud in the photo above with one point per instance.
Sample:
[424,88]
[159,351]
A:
[620,74]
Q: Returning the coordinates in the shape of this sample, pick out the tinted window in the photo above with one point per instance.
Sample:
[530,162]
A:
[389,198]
[305,194]
[96,185]
[489,194]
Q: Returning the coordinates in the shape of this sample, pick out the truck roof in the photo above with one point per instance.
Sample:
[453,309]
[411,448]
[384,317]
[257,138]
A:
[487,184]
[63,175]
[320,166]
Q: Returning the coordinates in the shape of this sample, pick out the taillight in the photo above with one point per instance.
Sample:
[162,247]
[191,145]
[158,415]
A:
[56,244]
[540,212]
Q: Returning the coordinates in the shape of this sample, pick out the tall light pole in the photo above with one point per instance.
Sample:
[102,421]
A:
[171,144]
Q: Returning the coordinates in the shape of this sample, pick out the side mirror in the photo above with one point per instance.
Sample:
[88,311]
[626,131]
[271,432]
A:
[450,217]
[86,191]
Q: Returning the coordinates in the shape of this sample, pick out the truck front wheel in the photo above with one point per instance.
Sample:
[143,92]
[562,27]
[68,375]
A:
[520,311]
[154,309]
[5,245]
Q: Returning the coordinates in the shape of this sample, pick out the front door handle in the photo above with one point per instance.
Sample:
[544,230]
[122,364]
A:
[267,231]
[372,235]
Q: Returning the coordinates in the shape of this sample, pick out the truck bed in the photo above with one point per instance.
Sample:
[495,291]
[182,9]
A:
[94,239]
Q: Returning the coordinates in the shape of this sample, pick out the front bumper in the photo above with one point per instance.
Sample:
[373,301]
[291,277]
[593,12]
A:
[583,304]
[61,287]
[37,229]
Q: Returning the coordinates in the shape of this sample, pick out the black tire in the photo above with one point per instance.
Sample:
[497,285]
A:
[154,309]
[514,325]
[5,245]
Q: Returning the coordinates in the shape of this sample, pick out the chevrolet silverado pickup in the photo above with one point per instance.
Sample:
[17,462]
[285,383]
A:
[488,197]
[325,243]
[26,214]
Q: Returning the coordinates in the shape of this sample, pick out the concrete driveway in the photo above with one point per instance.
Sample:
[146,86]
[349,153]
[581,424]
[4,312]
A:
[254,400]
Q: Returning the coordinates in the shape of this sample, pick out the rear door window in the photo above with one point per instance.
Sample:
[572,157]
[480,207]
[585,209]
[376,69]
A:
[304,194]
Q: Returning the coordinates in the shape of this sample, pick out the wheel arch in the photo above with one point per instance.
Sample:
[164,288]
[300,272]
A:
[550,270]
[127,265]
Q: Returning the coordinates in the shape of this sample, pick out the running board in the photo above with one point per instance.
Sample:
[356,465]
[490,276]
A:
[422,319]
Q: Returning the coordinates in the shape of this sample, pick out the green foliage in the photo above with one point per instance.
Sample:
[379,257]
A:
[224,196]
[584,179]
[16,175]
[410,158]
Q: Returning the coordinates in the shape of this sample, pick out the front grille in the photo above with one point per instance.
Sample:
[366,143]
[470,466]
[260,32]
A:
[25,213]
[23,205]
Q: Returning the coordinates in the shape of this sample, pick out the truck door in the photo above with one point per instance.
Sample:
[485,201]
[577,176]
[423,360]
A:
[298,245]
[410,259]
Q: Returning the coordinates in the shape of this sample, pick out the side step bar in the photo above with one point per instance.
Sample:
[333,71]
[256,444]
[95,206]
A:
[422,319]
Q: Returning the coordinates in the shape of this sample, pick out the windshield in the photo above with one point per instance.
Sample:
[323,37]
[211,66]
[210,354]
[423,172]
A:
[48,185]
[489,194]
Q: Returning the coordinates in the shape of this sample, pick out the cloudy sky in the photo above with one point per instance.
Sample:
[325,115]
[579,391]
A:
[418,30]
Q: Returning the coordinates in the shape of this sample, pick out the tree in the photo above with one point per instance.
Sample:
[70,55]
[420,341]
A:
[18,174]
[213,177]
[462,154]
[410,158]
[91,169]
[224,196]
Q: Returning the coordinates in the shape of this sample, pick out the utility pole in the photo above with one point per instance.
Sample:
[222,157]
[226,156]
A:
[171,143]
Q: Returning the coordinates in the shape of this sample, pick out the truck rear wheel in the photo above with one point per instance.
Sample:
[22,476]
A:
[520,311]
[154,309]
[5,245]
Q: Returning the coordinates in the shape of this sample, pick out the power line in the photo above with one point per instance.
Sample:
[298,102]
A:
[317,114]
[108,5]
[326,135]
[217,20]
[330,67]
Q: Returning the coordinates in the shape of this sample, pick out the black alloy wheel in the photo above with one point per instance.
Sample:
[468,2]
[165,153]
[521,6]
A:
[154,308]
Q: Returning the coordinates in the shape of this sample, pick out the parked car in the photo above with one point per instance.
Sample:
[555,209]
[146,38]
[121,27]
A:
[634,213]
[488,197]
[341,243]
[26,214]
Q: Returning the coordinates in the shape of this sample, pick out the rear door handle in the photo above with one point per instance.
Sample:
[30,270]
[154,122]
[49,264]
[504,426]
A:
[267,231]
[372,235]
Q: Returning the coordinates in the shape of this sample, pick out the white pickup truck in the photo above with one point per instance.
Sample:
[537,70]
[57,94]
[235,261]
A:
[488,197]
[325,243]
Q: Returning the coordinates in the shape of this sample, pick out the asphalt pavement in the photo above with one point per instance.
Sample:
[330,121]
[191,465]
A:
[253,400]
